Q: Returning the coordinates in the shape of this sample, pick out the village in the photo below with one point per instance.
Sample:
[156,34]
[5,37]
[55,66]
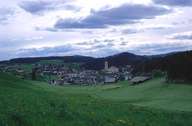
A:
[60,74]
[68,76]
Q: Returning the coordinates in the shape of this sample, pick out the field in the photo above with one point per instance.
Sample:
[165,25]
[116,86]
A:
[154,103]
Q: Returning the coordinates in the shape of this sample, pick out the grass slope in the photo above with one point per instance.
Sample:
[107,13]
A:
[26,103]
[155,94]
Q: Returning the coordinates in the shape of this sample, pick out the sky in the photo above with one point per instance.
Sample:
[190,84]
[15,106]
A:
[98,28]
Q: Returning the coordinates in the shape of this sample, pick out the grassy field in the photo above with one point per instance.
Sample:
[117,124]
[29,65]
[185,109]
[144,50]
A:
[28,103]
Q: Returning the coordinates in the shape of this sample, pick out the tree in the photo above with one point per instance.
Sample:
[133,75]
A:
[34,73]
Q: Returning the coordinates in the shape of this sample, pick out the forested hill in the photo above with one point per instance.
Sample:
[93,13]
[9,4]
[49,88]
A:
[88,62]
[66,59]
[118,60]
[177,65]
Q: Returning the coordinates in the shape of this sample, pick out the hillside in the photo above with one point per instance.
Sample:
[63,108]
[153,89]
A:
[117,60]
[66,59]
[177,66]
[155,93]
[143,63]
[28,103]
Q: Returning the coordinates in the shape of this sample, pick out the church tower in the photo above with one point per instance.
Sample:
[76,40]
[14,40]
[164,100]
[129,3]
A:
[106,65]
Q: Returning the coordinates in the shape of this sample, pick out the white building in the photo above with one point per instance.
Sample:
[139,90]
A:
[111,69]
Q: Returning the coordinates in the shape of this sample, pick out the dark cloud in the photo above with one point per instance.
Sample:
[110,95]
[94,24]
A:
[183,36]
[102,46]
[35,7]
[109,40]
[51,29]
[47,51]
[129,31]
[97,43]
[72,7]
[39,7]
[174,2]
[157,28]
[115,16]
[124,43]
[5,14]
[160,48]
[96,48]
[47,29]
[134,31]
[84,43]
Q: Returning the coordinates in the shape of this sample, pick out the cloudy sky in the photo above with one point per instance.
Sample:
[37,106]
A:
[96,28]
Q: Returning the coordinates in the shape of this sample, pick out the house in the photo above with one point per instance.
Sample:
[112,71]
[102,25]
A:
[139,79]
[127,76]
[111,69]
[109,79]
[20,71]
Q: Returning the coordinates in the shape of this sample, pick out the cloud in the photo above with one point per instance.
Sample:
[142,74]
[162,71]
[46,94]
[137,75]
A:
[40,7]
[182,36]
[5,14]
[123,43]
[129,31]
[124,14]
[35,7]
[174,2]
[97,48]
[72,7]
[98,43]
[45,51]
[160,48]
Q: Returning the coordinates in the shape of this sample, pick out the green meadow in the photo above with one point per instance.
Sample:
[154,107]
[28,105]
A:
[154,103]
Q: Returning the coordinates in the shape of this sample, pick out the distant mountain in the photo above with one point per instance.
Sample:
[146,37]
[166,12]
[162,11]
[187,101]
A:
[177,65]
[172,63]
[66,59]
[118,60]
